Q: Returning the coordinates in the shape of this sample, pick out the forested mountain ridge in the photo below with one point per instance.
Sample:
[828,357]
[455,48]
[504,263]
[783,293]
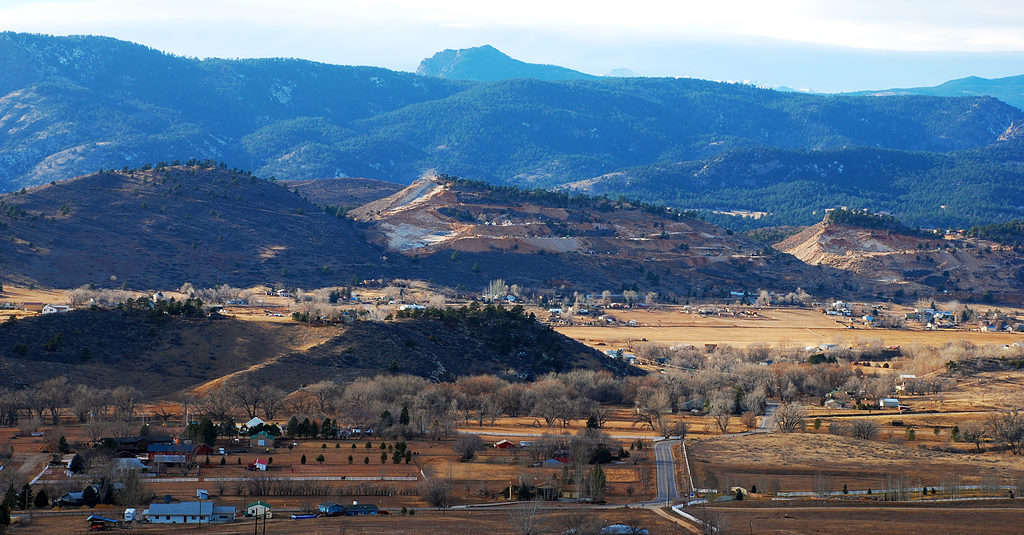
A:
[794,187]
[1009,89]
[71,105]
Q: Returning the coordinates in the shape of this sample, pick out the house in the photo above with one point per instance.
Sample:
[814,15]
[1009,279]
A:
[255,422]
[504,444]
[55,309]
[169,453]
[71,499]
[202,494]
[888,403]
[412,307]
[129,464]
[259,464]
[259,509]
[189,513]
[263,439]
[283,293]
[159,296]
[834,404]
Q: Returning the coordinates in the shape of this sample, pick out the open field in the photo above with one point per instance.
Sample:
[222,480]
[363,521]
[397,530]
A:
[763,518]
[805,461]
[773,327]
[425,522]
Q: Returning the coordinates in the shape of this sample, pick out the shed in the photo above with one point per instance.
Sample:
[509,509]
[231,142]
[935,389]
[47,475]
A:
[189,513]
[259,509]
[504,444]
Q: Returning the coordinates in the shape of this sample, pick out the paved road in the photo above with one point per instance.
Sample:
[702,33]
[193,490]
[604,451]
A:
[665,462]
[768,422]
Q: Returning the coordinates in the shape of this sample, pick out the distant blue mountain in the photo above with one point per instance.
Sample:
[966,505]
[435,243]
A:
[488,64]
[1009,90]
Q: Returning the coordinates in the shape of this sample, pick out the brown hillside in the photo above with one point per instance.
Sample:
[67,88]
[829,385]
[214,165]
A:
[613,243]
[923,265]
[162,355]
[344,192]
[159,228]
[158,355]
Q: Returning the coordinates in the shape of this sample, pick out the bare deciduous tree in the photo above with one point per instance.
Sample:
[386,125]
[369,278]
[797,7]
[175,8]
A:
[790,417]
[863,429]
[1008,427]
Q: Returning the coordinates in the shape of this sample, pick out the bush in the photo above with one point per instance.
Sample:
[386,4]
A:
[303,459]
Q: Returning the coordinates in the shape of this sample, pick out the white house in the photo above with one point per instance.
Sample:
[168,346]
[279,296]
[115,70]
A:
[259,509]
[55,309]
[189,513]
[254,422]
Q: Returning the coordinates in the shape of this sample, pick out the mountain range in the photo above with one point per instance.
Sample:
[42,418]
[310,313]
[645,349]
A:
[1009,89]
[72,105]
[488,64]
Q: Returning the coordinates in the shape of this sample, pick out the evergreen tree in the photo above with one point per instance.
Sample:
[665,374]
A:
[293,426]
[207,432]
[303,459]
[25,497]
[41,501]
[76,465]
[404,417]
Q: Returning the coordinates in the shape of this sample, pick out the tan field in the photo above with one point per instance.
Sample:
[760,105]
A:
[494,521]
[773,327]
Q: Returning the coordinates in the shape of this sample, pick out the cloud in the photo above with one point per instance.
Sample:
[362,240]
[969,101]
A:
[910,25]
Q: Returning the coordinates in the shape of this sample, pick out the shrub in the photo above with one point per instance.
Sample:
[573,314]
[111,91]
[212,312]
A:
[303,459]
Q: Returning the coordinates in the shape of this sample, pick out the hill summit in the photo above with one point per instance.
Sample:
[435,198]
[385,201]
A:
[486,63]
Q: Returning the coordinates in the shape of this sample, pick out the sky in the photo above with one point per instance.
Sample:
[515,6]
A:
[822,45]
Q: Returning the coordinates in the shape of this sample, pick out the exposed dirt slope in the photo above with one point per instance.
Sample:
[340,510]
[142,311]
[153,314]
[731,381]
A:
[964,267]
[615,241]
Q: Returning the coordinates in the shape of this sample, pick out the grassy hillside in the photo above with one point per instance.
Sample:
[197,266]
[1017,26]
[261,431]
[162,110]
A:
[342,192]
[161,354]
[160,227]
[155,353]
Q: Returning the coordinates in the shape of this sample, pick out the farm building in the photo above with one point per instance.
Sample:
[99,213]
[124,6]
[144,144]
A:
[888,403]
[262,439]
[259,464]
[189,513]
[258,509]
[55,309]
[504,444]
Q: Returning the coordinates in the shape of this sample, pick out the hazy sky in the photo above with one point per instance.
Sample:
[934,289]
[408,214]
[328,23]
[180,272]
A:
[823,45]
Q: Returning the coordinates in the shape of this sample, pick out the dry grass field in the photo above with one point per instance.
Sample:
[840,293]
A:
[806,461]
[773,327]
[764,518]
[493,521]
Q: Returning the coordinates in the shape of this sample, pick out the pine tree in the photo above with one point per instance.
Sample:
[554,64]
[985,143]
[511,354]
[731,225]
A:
[42,500]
